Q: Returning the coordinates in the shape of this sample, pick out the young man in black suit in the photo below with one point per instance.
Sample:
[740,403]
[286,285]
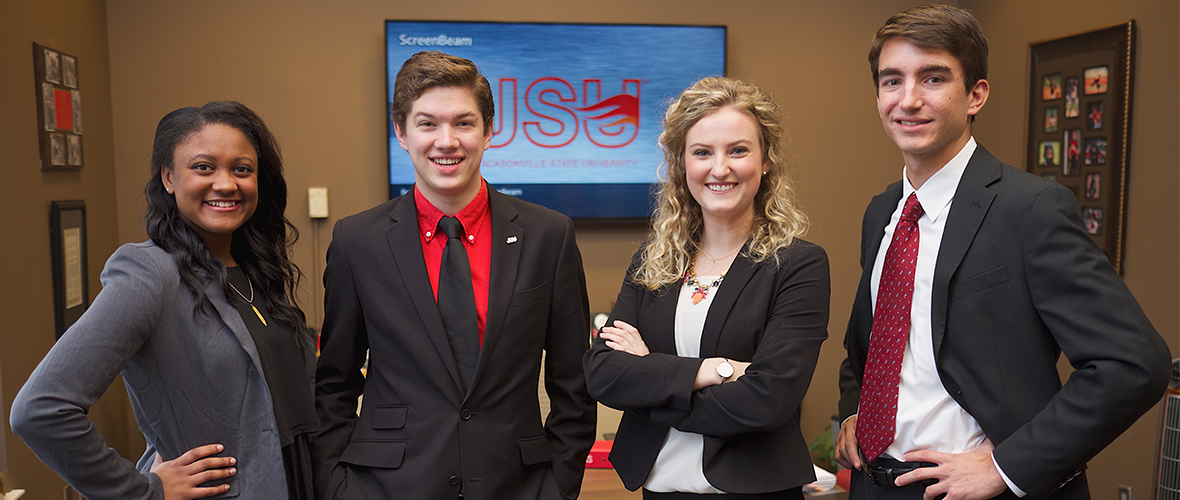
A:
[971,291]
[453,291]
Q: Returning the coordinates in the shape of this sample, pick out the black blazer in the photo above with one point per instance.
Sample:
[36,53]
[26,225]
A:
[1017,282]
[774,317]
[420,435]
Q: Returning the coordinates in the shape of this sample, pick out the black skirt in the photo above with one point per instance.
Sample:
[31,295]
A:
[297,464]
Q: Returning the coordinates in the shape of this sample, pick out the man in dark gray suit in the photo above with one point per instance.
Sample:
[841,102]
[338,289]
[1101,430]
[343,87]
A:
[450,406]
[977,276]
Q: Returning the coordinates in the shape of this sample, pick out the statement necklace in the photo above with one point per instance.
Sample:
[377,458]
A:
[250,300]
[699,291]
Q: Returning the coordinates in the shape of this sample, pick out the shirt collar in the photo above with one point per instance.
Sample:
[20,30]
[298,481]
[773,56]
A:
[471,216]
[936,193]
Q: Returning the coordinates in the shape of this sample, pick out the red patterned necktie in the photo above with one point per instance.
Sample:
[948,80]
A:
[877,419]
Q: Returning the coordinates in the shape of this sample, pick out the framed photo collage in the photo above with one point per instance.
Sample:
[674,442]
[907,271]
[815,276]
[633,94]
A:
[59,117]
[1079,125]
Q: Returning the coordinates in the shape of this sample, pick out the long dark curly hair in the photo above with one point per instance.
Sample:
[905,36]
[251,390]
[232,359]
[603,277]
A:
[260,247]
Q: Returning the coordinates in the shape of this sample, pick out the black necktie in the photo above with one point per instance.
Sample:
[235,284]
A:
[456,300]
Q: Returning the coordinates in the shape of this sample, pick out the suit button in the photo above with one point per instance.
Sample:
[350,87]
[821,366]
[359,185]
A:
[454,480]
[465,414]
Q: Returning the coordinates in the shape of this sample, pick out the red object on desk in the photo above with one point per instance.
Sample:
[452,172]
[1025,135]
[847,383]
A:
[843,479]
[599,457]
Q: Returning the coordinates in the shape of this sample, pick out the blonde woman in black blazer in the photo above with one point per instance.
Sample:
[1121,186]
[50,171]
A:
[712,342]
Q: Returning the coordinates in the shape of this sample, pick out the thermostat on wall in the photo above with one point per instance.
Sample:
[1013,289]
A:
[317,202]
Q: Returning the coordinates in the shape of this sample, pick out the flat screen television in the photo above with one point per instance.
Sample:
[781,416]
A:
[578,106]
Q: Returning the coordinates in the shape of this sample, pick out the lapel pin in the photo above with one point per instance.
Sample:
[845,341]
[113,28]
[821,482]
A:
[510,240]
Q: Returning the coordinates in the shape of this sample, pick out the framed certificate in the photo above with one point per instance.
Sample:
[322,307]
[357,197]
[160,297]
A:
[67,233]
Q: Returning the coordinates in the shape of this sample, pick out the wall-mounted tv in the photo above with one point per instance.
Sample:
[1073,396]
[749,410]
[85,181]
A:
[578,106]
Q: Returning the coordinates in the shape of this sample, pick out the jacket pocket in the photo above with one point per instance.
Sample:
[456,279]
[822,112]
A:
[378,454]
[234,487]
[978,283]
[530,296]
[535,450]
[389,417]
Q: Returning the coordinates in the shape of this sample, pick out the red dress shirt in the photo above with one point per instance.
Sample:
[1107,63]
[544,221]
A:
[476,219]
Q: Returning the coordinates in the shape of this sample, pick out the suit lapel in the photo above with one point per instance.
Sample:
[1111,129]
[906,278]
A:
[230,316]
[410,264]
[877,217]
[731,287]
[971,202]
[507,240]
[660,331]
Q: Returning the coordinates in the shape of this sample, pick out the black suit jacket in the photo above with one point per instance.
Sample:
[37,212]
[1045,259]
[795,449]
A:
[1017,282]
[419,434]
[774,317]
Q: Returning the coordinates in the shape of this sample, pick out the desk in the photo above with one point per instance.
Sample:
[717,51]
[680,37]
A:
[604,484]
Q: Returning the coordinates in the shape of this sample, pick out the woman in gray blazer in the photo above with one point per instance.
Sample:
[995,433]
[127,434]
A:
[716,331]
[200,320]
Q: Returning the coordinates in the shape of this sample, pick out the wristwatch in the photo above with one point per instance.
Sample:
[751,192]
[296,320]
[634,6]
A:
[725,370]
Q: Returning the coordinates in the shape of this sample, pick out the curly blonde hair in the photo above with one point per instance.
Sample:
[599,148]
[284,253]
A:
[677,223]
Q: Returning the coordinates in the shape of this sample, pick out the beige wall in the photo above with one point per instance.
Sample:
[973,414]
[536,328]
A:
[76,27]
[315,71]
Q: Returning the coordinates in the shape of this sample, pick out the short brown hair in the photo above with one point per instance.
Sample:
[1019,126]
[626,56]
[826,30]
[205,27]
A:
[937,27]
[428,69]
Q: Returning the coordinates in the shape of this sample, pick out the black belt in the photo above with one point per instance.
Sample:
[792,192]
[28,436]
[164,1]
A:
[883,471]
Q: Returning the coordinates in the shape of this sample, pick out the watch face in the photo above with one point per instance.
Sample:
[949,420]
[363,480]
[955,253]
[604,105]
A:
[599,320]
[725,369]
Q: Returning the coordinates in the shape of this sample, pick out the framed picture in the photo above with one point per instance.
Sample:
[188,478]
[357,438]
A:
[67,246]
[1092,219]
[1094,116]
[1072,104]
[1096,80]
[69,71]
[1050,120]
[1093,186]
[1073,150]
[1093,137]
[52,62]
[57,150]
[1051,87]
[1096,151]
[1050,154]
[59,119]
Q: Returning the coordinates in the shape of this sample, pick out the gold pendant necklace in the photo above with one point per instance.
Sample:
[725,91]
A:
[250,300]
[715,261]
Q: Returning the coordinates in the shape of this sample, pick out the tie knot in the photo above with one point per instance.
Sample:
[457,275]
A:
[913,210]
[451,227]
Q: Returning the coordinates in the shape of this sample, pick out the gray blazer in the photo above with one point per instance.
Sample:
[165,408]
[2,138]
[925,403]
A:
[193,379]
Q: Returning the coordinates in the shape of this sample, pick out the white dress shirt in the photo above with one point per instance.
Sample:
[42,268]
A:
[928,418]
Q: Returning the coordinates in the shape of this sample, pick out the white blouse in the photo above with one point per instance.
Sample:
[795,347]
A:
[680,464]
